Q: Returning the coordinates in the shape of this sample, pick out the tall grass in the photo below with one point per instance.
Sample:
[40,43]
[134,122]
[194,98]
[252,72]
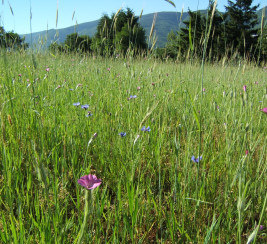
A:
[151,191]
[148,191]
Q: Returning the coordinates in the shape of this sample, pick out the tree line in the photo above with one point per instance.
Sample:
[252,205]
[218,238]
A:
[117,34]
[213,34]
[221,34]
[11,40]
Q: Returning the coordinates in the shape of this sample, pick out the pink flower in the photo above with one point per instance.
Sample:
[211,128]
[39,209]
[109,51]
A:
[47,69]
[245,88]
[246,152]
[138,88]
[89,182]
[264,110]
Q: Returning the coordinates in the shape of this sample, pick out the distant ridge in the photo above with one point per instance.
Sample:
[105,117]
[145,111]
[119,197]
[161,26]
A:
[165,22]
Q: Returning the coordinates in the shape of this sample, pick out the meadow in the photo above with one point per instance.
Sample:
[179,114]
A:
[180,149]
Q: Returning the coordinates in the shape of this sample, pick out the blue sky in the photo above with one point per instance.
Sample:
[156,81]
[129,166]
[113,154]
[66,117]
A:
[71,12]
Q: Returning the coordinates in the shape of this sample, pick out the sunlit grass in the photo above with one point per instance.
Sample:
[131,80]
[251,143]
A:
[151,190]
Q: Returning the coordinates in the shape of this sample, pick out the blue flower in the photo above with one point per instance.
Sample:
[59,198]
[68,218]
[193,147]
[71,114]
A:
[196,160]
[86,106]
[146,129]
[89,114]
[76,104]
[122,134]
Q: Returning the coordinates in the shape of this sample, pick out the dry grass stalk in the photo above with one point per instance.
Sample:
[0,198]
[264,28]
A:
[153,26]
[262,19]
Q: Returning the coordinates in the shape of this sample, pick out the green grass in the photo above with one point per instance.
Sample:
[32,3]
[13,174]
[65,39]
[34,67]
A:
[151,191]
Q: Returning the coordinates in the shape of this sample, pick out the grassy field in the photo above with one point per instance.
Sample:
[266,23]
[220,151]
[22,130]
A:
[152,191]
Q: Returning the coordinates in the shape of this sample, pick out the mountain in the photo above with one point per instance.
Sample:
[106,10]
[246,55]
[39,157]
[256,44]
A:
[165,22]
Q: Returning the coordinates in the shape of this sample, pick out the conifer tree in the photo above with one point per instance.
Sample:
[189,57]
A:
[240,27]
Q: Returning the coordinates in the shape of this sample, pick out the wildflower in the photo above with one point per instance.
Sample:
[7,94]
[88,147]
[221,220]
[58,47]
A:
[245,88]
[138,88]
[153,83]
[122,134]
[76,104]
[264,110]
[86,106]
[108,69]
[196,160]
[47,69]
[89,114]
[19,75]
[204,89]
[253,234]
[246,152]
[89,182]
[146,129]
[132,97]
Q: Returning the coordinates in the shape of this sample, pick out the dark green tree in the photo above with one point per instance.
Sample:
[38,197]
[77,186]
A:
[263,43]
[240,26]
[172,45]
[191,37]
[74,42]
[200,31]
[103,39]
[215,33]
[119,33]
[12,40]
[55,47]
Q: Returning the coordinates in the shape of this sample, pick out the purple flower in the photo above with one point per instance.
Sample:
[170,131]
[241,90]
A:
[86,106]
[122,134]
[196,160]
[76,104]
[245,88]
[264,110]
[89,182]
[261,227]
[146,129]
[132,97]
